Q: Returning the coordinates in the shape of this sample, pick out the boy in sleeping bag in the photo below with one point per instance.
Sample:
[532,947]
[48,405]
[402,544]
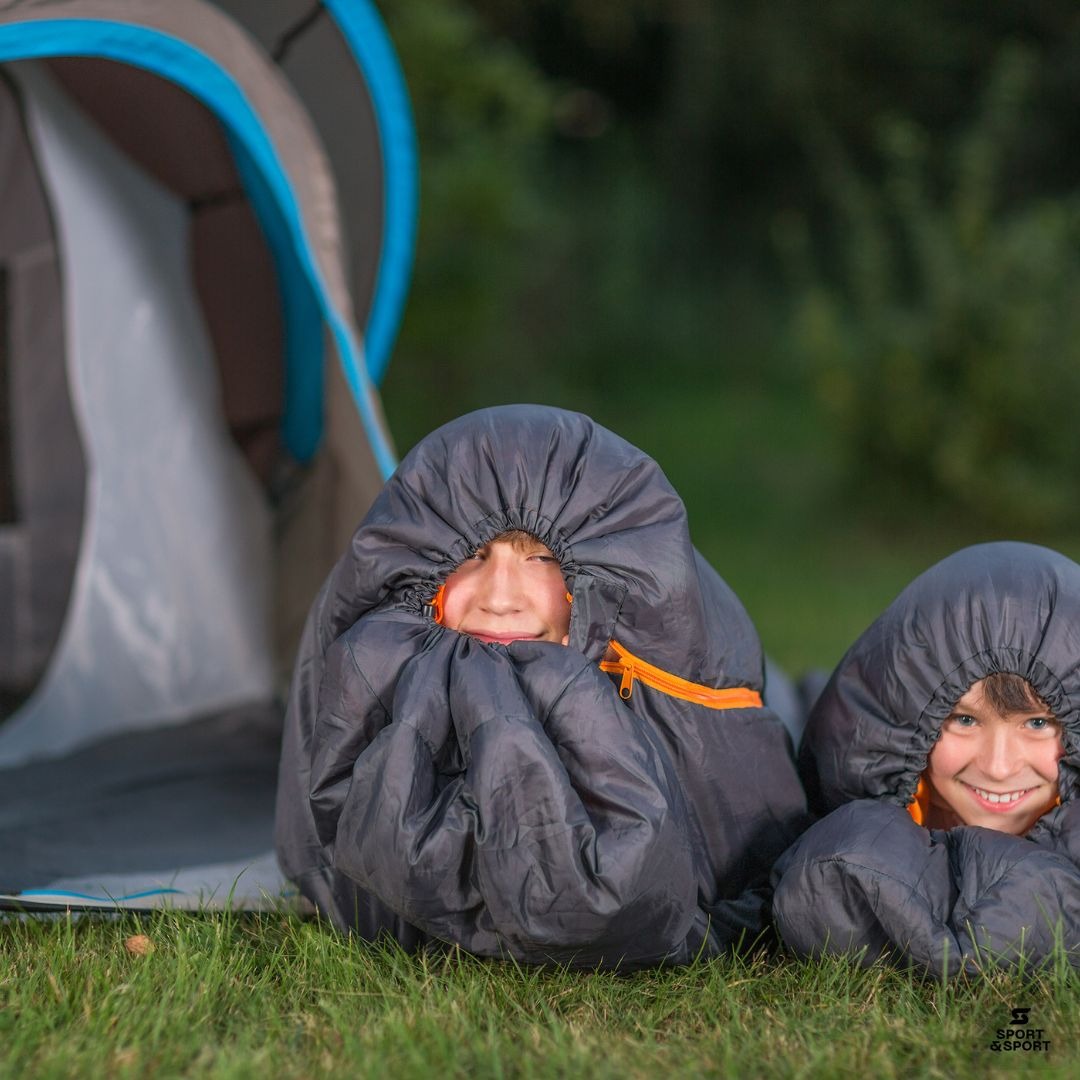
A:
[526,716]
[946,751]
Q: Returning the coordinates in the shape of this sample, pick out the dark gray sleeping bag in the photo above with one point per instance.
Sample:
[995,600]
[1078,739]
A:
[866,876]
[505,798]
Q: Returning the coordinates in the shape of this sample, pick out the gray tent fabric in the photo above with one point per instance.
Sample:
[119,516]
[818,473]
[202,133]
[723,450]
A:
[866,879]
[232,271]
[110,792]
[143,375]
[352,455]
[509,799]
[182,454]
[307,44]
[213,33]
[198,797]
[45,468]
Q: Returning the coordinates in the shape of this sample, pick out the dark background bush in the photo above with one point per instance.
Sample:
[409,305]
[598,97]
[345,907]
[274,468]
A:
[820,260]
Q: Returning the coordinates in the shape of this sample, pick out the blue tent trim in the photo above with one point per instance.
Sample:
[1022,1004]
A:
[269,186]
[366,36]
[302,317]
[63,894]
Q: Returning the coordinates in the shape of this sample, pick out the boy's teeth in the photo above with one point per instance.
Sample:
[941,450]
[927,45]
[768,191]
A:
[1008,796]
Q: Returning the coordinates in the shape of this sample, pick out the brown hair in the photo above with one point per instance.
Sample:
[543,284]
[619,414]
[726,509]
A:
[1011,693]
[518,538]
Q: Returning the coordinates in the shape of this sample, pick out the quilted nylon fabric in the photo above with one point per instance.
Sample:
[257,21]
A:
[866,877]
[504,798]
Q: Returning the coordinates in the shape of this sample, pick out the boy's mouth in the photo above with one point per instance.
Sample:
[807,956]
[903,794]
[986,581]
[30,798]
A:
[997,801]
[503,638]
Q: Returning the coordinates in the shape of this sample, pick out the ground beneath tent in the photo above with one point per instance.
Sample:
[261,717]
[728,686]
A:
[181,815]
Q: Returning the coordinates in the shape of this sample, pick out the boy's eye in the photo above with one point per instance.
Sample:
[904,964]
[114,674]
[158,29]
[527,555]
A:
[1041,723]
[962,721]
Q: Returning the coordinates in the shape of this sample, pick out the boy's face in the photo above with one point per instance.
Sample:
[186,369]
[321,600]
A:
[997,771]
[508,591]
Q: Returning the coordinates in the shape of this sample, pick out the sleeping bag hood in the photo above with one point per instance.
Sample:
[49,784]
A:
[1006,607]
[866,879]
[518,800]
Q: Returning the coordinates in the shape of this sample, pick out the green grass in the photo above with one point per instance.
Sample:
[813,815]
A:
[261,996]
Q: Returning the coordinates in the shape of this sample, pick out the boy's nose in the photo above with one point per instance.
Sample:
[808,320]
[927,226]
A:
[1001,755]
[501,591]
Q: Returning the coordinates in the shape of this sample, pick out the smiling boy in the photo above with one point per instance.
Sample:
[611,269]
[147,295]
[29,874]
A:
[945,754]
[527,716]
[510,589]
[995,763]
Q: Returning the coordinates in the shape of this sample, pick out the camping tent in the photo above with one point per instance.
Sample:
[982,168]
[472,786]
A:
[199,205]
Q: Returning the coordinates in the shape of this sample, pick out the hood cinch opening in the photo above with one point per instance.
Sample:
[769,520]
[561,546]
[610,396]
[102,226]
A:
[957,683]
[425,598]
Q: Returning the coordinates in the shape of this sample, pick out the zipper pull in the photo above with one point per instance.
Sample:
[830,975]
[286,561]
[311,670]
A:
[626,685]
[435,605]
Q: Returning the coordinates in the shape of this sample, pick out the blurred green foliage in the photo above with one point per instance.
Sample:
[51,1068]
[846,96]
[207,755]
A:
[602,182]
[818,259]
[948,347]
[483,113]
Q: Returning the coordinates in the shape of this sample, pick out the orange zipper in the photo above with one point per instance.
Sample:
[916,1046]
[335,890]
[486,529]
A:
[632,669]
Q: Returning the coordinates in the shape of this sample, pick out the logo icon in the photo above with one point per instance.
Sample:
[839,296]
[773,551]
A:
[1018,1035]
